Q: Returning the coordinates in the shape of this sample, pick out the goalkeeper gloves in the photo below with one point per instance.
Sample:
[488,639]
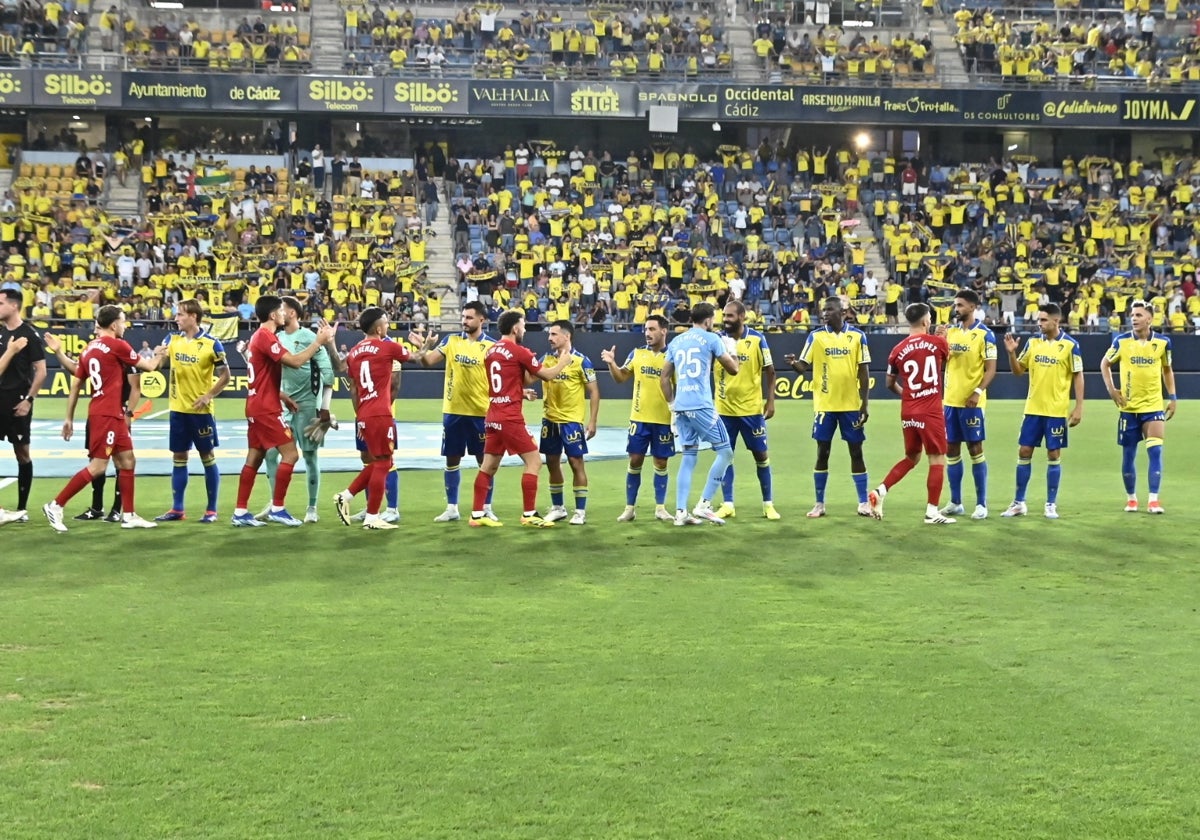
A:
[319,426]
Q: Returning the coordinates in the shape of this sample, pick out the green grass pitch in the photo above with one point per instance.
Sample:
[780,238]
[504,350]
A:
[840,678]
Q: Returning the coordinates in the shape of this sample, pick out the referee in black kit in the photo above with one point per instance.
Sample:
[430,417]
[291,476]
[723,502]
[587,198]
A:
[19,385]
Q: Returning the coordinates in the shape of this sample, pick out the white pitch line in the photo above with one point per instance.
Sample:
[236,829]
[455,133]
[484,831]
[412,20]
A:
[156,414]
[4,482]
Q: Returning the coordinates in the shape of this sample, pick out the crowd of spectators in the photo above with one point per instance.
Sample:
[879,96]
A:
[489,41]
[34,32]
[1143,42]
[252,45]
[830,54]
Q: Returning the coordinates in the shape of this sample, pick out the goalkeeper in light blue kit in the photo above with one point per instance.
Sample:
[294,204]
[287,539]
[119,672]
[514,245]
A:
[310,389]
[687,384]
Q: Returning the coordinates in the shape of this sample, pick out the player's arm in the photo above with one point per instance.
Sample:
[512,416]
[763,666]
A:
[593,393]
[546,374]
[1077,412]
[325,365]
[35,387]
[54,344]
[1114,393]
[666,381]
[893,384]
[1010,344]
[68,427]
[864,391]
[769,377]
[989,373]
[11,350]
[727,360]
[1168,375]
[135,395]
[428,352]
[618,372]
[325,334]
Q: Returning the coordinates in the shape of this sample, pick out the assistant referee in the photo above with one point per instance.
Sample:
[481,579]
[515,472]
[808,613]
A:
[19,385]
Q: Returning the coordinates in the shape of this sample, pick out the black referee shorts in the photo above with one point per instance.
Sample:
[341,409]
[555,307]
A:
[13,429]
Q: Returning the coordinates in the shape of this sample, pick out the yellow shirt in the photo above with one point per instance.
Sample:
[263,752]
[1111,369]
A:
[193,364]
[741,395]
[565,400]
[1052,366]
[835,358]
[1141,364]
[466,388]
[970,350]
[649,405]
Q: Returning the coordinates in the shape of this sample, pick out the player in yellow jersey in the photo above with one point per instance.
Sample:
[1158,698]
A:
[741,406]
[563,422]
[1055,367]
[464,398]
[198,373]
[1144,358]
[649,416]
[838,357]
[971,368]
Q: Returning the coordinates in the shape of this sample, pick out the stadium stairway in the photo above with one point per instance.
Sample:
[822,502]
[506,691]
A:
[441,274]
[328,27]
[123,202]
[950,68]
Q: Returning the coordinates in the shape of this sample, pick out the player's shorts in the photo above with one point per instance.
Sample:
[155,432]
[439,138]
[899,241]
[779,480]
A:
[752,429]
[655,438]
[188,430]
[1130,423]
[558,438]
[848,423]
[298,420]
[377,434]
[107,436]
[924,432]
[964,424]
[268,431]
[703,424]
[14,429]
[1035,427]
[507,436]
[462,434]
[359,443]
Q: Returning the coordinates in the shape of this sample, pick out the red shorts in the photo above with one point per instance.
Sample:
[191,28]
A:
[268,431]
[378,435]
[924,432]
[108,436]
[507,436]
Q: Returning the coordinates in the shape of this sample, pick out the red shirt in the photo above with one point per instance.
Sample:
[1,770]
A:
[917,363]
[265,371]
[506,363]
[370,364]
[105,364]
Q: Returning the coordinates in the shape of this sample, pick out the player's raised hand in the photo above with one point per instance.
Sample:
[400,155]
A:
[529,393]
[1010,342]
[326,331]
[68,429]
[941,329]
[53,342]
[609,356]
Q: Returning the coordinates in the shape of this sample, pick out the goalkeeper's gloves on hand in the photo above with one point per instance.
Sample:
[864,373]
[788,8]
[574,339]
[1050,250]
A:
[318,428]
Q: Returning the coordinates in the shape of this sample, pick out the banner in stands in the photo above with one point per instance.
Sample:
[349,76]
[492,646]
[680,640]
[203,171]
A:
[16,87]
[695,102]
[164,92]
[513,99]
[342,94]
[254,92]
[77,89]
[601,99]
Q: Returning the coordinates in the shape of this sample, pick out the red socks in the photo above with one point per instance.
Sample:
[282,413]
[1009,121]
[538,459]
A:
[529,485]
[933,484]
[376,486]
[283,477]
[902,468]
[482,482]
[125,484]
[78,481]
[245,485]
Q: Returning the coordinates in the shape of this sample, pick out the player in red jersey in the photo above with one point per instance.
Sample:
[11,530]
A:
[104,365]
[267,428]
[915,372]
[370,365]
[509,366]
